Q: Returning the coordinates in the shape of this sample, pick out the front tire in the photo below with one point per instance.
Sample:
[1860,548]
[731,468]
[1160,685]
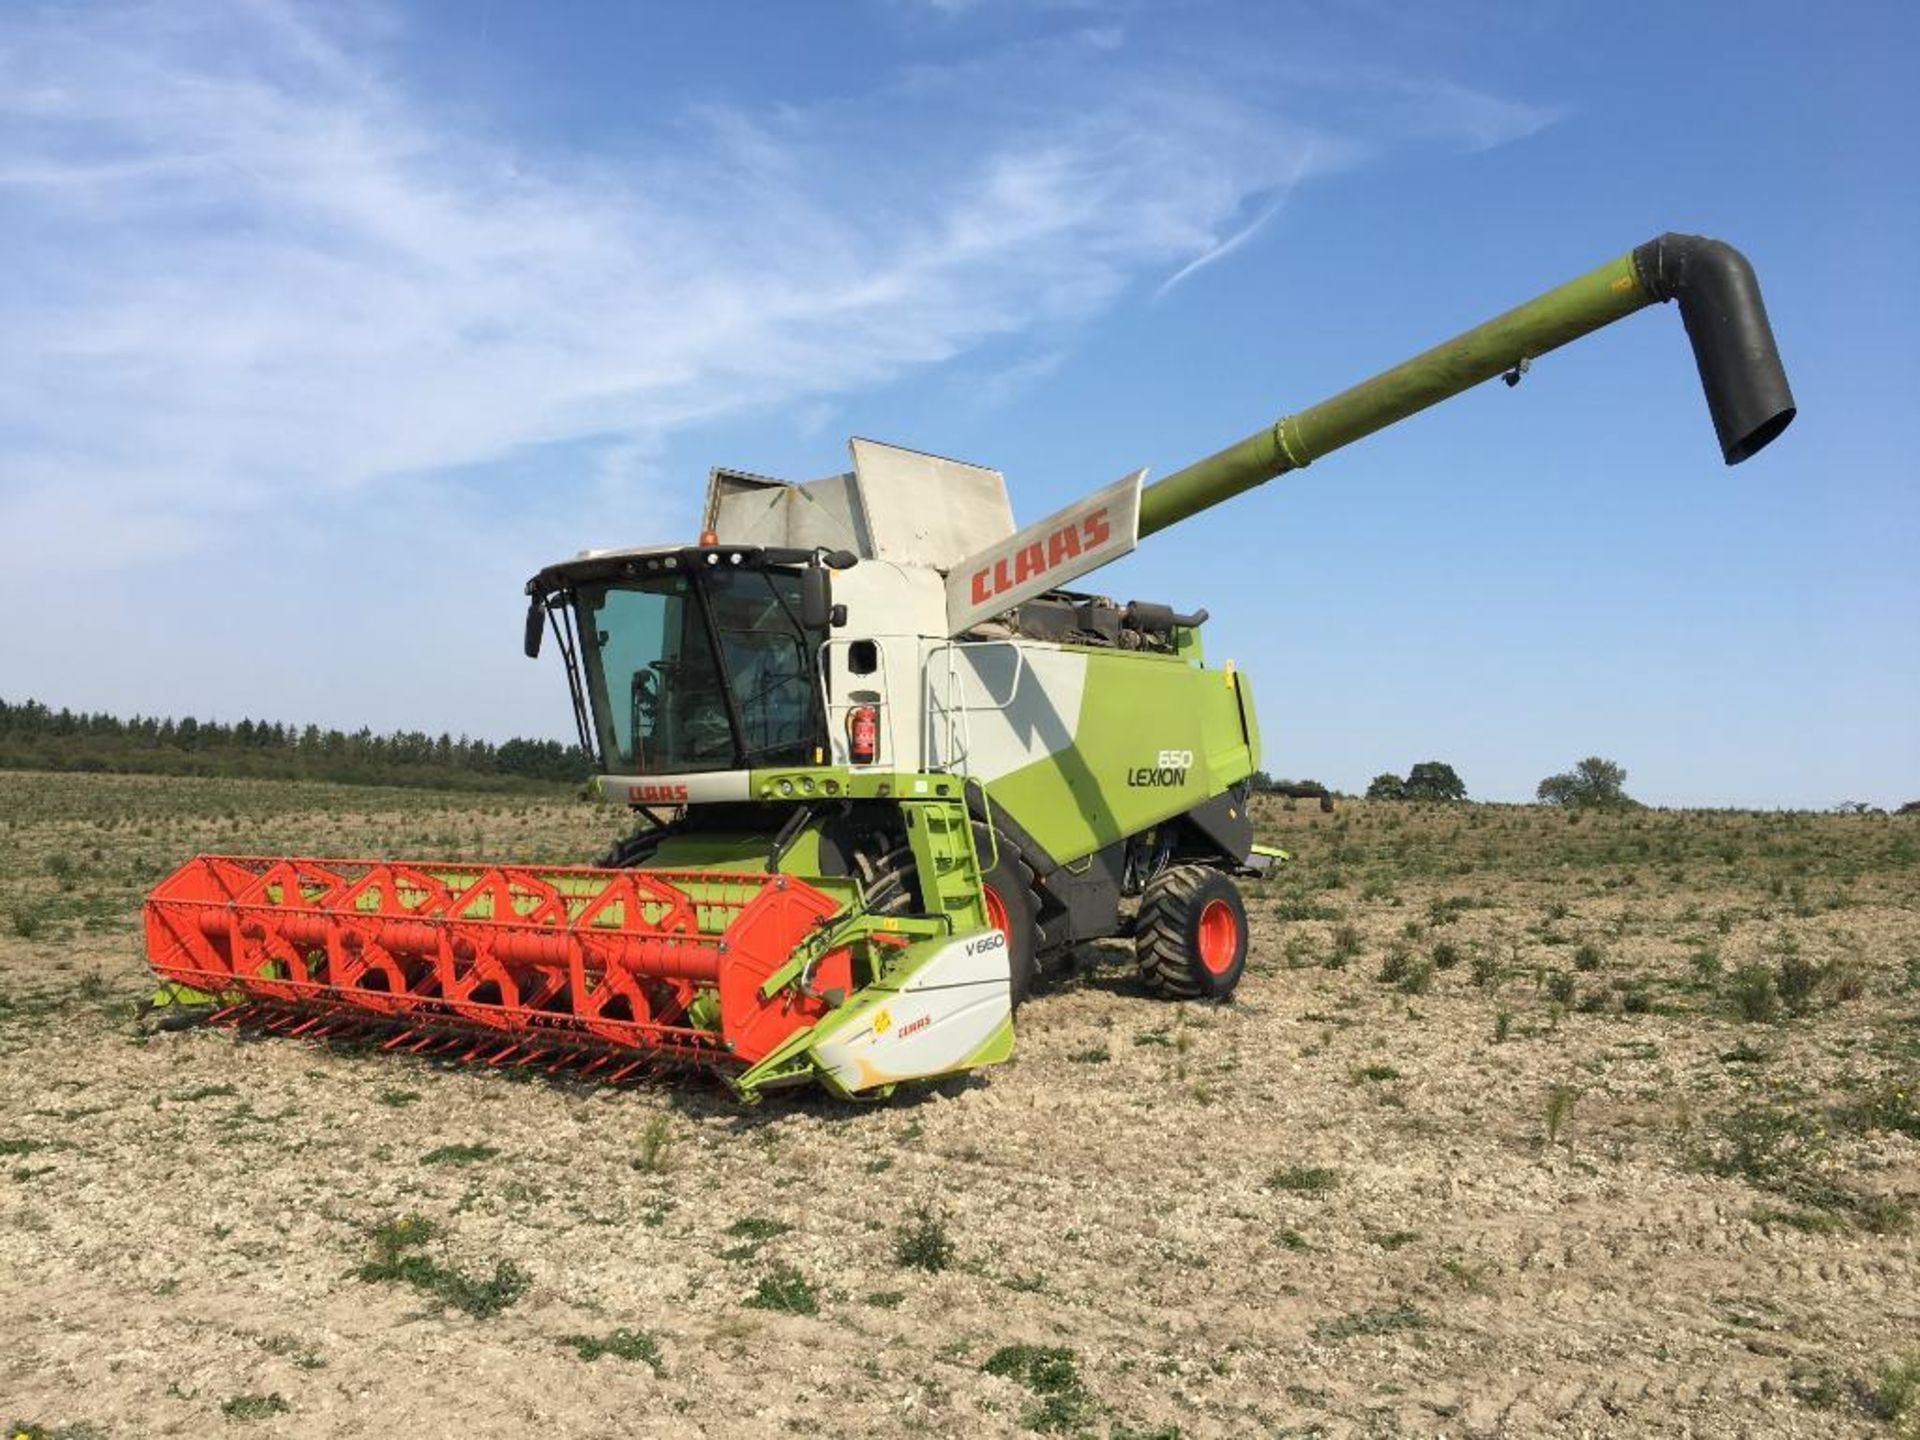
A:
[1012,907]
[890,887]
[1190,940]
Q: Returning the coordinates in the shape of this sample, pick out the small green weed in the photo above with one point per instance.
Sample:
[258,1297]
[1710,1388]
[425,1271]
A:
[393,1263]
[1301,909]
[1751,992]
[1052,1373]
[786,1290]
[1560,1102]
[204,1092]
[621,1344]
[1766,1143]
[1412,974]
[291,1347]
[1893,1105]
[1588,957]
[1895,1396]
[656,1146]
[398,1098]
[1303,1179]
[1808,1222]
[922,1243]
[409,1232]
[758,1227]
[1096,1056]
[458,1155]
[1798,981]
[254,1407]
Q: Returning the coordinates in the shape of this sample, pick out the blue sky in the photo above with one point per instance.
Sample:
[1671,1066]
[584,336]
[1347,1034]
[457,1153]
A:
[328,325]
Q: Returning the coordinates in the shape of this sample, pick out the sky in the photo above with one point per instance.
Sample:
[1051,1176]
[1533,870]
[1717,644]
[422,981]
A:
[327,325]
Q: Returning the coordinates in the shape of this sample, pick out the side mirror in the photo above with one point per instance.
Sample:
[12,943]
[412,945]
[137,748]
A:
[816,597]
[536,627]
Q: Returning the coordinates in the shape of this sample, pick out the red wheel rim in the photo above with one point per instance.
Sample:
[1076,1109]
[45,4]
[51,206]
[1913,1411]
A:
[997,912]
[1219,936]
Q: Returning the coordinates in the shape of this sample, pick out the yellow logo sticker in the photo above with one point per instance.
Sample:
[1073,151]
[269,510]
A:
[882,1022]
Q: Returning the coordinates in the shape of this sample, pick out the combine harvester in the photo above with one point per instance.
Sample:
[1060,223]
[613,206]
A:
[887,768]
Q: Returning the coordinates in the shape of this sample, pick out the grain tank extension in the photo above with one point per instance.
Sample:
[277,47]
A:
[888,763]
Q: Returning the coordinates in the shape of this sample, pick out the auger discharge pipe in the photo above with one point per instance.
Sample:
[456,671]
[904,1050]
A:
[1740,370]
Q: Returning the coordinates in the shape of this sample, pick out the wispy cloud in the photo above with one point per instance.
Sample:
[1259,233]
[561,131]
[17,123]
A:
[1266,205]
[251,268]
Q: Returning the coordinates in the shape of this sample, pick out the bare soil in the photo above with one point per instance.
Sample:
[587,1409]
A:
[1356,1201]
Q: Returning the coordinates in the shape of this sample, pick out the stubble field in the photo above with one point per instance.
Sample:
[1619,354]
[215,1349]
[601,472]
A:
[1522,1124]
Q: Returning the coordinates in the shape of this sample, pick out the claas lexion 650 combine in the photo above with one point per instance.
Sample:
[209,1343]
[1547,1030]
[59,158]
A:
[887,768]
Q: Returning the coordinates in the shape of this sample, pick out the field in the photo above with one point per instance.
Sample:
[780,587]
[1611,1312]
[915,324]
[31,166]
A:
[1523,1124]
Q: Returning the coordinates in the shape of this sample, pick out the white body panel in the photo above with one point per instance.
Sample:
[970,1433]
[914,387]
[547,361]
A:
[703,787]
[823,514]
[895,607]
[945,1012]
[994,706]
[925,509]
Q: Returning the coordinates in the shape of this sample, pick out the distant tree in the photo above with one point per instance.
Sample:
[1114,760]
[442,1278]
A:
[1912,807]
[1594,782]
[1433,780]
[1387,786]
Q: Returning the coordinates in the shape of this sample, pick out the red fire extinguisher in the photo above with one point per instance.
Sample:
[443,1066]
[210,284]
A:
[863,734]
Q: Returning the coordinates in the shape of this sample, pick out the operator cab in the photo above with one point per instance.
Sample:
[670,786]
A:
[687,659]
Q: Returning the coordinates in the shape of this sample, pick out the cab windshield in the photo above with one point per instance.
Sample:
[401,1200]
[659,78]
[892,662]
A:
[700,669]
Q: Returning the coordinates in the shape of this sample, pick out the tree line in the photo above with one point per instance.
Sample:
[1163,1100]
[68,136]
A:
[1595,783]
[34,736]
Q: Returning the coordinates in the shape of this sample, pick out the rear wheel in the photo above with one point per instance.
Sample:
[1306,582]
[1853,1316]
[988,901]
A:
[1191,937]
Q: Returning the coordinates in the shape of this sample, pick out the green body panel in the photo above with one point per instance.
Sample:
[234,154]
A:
[1526,332]
[1108,784]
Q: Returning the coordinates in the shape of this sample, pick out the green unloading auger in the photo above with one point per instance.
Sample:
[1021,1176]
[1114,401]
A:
[1740,369]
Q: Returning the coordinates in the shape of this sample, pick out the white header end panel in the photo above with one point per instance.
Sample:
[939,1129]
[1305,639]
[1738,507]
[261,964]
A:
[1047,554]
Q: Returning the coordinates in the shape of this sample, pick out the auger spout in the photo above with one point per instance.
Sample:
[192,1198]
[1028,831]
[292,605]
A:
[1740,370]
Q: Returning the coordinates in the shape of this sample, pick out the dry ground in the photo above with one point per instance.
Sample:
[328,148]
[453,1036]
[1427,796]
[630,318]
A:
[1541,1178]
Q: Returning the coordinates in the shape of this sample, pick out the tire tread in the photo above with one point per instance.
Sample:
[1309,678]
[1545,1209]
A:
[1160,946]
